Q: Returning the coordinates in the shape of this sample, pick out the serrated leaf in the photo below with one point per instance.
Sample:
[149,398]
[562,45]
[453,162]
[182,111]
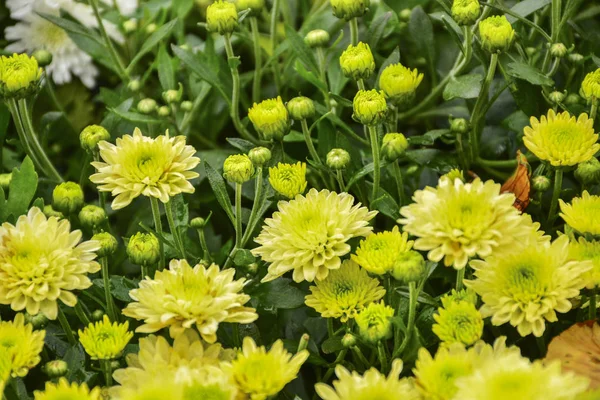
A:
[528,73]
[152,41]
[428,138]
[241,144]
[22,188]
[243,258]
[220,190]
[463,87]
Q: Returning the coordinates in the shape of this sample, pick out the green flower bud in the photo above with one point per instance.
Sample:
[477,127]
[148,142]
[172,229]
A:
[114,365]
[405,14]
[259,156]
[374,322]
[251,269]
[97,315]
[590,87]
[413,169]
[91,135]
[51,212]
[588,173]
[143,249]
[270,119]
[317,38]
[198,223]
[19,76]
[338,159]
[576,58]
[540,183]
[357,62]
[146,106]
[466,12]
[67,198]
[393,146]
[348,9]
[56,368]
[573,99]
[460,125]
[221,17]
[531,51]
[400,84]
[108,244]
[255,6]
[38,321]
[349,340]
[300,108]
[91,216]
[134,85]
[497,34]
[186,105]
[172,95]
[558,50]
[164,111]
[150,28]
[369,107]
[130,25]
[43,57]
[556,97]
[409,267]
[5,181]
[238,168]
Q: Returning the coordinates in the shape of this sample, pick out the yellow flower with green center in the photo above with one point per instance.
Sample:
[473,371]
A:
[587,250]
[590,87]
[560,139]
[270,119]
[260,373]
[105,341]
[379,253]
[345,292]
[63,390]
[369,107]
[357,62]
[374,322]
[19,76]
[372,385]
[140,165]
[309,235]
[458,321]
[457,220]
[400,83]
[288,180]
[183,296]
[583,213]
[466,12]
[528,287]
[496,33]
[42,262]
[21,345]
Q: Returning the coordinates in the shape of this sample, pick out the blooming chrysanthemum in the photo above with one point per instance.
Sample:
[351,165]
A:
[41,262]
[21,345]
[140,165]
[372,385]
[270,118]
[105,341]
[5,369]
[260,373]
[19,76]
[458,220]
[379,253]
[289,180]
[310,233]
[209,382]
[458,321]
[357,62]
[587,250]
[344,292]
[560,139]
[374,322]
[63,390]
[583,213]
[528,287]
[182,297]
[590,87]
[400,83]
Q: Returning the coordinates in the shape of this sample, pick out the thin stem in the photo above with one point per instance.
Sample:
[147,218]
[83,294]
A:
[309,142]
[592,308]
[460,277]
[238,216]
[257,60]
[361,84]
[12,106]
[158,229]
[376,168]
[66,327]
[81,313]
[340,357]
[497,163]
[107,371]
[339,176]
[412,309]
[556,11]
[353,31]
[594,110]
[258,187]
[174,231]
[558,178]
[478,115]
[382,357]
[399,182]
[330,331]
[204,245]
[235,331]
[110,305]
[273,33]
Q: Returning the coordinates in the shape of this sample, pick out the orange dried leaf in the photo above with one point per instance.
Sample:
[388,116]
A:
[519,183]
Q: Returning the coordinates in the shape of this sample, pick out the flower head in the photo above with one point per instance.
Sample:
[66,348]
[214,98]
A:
[379,253]
[369,107]
[357,62]
[92,216]
[590,87]
[260,373]
[19,76]
[140,165]
[587,250]
[588,173]
[238,168]
[143,249]
[63,390]
[259,156]
[345,292]
[393,146]
[105,341]
[270,119]
[184,296]
[459,220]
[400,83]
[458,321]
[497,34]
[374,322]
[310,233]
[41,262]
[466,12]
[560,139]
[91,135]
[221,17]
[370,386]
[529,286]
[288,180]
[301,108]
[317,38]
[409,267]
[67,198]
[583,213]
[348,9]
[337,159]
[20,346]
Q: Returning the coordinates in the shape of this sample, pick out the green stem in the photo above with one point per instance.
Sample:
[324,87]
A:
[273,33]
[238,216]
[174,231]
[144,271]
[353,31]
[478,116]
[497,163]
[309,142]
[235,331]
[12,107]
[257,60]
[81,314]
[158,229]
[399,182]
[340,179]
[592,308]
[412,309]
[361,84]
[556,11]
[330,331]
[361,357]
[340,357]
[107,371]
[558,178]
[376,168]
[66,327]
[594,110]
[204,245]
[382,357]
[258,186]
[460,277]
[110,305]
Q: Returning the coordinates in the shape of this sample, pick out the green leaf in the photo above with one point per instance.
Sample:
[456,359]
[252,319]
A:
[301,50]
[180,211]
[243,258]
[241,144]
[75,359]
[309,76]
[332,345]
[152,41]
[527,7]
[377,28]
[182,7]
[386,204]
[463,87]
[279,294]
[4,120]
[72,27]
[135,117]
[529,73]
[421,31]
[428,138]
[3,212]
[220,190]
[367,169]
[422,156]
[166,72]
[23,186]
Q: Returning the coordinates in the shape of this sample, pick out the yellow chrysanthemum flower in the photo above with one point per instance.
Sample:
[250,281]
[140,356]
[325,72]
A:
[19,76]
[466,12]
[209,383]
[455,296]
[400,83]
[590,87]
[560,139]
[458,321]
[63,390]
[357,62]
[370,386]
[140,165]
[5,369]
[103,340]
[369,107]
[260,373]
[159,388]
[41,262]
[379,253]
[182,297]
[310,233]
[587,250]
[21,345]
[288,180]
[458,220]
[344,292]
[527,287]
[583,213]
[496,33]
[270,118]
[374,322]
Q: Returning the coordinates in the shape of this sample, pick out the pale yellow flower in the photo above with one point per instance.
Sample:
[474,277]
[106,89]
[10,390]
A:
[63,390]
[583,213]
[103,340]
[20,346]
[380,252]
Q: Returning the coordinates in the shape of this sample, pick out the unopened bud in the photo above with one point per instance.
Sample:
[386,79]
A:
[317,38]
[56,368]
[186,105]
[91,136]
[394,146]
[198,223]
[558,50]
[164,111]
[460,126]
[130,25]
[67,198]
[259,156]
[556,97]
[238,168]
[146,106]
[349,340]
[150,28]
[338,159]
[301,108]
[43,57]
[541,183]
[91,216]
[143,249]
[108,244]
[134,85]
